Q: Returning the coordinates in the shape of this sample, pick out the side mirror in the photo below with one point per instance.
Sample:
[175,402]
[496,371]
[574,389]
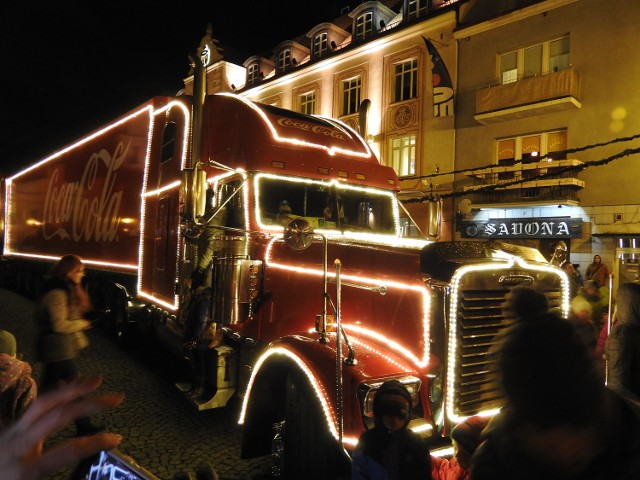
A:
[298,234]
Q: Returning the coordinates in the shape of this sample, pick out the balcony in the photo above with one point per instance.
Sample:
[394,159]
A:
[547,182]
[552,92]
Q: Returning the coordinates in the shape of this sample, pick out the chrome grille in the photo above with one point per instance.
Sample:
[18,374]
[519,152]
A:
[479,320]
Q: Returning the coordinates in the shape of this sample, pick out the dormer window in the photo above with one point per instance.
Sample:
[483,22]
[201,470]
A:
[284,60]
[320,45]
[253,74]
[364,26]
[417,8]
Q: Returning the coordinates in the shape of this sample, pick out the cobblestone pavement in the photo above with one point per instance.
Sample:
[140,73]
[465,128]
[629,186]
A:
[162,432]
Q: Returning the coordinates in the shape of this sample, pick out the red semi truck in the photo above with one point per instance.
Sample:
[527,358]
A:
[317,312]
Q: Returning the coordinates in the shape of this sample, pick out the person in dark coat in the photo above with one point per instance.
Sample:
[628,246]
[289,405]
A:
[390,450]
[622,347]
[598,272]
[559,421]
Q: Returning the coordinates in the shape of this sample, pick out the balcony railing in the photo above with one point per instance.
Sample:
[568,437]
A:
[551,181]
[530,96]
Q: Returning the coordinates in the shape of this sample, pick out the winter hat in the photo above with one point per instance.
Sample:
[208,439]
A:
[392,398]
[590,284]
[525,302]
[7,343]
[467,433]
[549,352]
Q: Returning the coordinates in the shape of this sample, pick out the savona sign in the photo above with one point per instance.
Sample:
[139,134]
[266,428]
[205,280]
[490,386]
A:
[553,227]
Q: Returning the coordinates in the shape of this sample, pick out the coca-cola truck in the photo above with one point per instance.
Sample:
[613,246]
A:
[317,311]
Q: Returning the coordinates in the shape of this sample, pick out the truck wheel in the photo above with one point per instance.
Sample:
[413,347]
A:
[310,451]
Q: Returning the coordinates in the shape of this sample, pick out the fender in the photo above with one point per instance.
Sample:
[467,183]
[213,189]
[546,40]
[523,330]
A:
[317,361]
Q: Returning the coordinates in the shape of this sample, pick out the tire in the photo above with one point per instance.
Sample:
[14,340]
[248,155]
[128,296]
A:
[310,451]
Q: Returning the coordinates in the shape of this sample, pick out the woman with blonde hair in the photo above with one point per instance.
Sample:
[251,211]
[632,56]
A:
[61,325]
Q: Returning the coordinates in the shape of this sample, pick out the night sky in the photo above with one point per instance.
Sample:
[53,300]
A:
[69,67]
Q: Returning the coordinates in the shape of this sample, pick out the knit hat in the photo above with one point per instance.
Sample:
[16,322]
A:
[7,343]
[549,352]
[467,433]
[525,302]
[590,284]
[392,398]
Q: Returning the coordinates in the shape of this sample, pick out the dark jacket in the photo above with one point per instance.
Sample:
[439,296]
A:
[500,456]
[622,347]
[371,458]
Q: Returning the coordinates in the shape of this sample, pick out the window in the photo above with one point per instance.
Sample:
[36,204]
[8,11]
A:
[308,103]
[252,73]
[403,155]
[284,60]
[364,25]
[319,45]
[559,54]
[540,59]
[406,80]
[168,142]
[351,90]
[325,205]
[531,148]
[417,8]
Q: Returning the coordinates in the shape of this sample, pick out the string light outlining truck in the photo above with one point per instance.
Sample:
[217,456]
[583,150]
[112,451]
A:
[316,312]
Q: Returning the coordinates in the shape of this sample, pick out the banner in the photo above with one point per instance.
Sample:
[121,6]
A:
[442,85]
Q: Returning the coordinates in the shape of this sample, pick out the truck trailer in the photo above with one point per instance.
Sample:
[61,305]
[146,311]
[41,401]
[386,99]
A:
[316,310]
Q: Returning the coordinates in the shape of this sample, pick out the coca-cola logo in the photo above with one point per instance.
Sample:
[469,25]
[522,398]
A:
[80,210]
[307,127]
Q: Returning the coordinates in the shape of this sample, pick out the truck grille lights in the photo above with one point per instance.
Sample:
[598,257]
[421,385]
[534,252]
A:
[456,281]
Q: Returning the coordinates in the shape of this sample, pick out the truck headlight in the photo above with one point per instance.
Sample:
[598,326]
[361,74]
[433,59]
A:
[368,392]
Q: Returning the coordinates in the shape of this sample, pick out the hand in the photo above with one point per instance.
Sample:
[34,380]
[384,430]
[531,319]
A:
[22,456]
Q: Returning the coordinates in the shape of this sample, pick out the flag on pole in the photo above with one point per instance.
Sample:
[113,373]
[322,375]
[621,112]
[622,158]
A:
[442,85]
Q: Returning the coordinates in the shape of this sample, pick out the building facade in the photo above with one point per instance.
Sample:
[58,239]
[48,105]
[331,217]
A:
[521,115]
[546,127]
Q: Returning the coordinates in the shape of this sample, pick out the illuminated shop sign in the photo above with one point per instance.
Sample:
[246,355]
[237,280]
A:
[552,227]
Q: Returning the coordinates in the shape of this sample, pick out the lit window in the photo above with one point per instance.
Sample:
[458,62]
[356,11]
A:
[320,44]
[308,103]
[540,59]
[364,25]
[406,80]
[403,155]
[284,60]
[351,90]
[252,73]
[531,148]
[417,8]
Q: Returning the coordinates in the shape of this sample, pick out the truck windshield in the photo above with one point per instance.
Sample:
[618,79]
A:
[326,205]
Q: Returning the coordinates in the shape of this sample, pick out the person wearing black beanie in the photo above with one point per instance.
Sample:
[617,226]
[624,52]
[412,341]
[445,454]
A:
[559,421]
[390,450]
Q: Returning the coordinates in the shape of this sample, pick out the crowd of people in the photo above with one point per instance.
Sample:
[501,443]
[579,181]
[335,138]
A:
[571,391]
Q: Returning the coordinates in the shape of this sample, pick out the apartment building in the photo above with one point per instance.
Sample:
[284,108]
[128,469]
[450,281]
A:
[547,120]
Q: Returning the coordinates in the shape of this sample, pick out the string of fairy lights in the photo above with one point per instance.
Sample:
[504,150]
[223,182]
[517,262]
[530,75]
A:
[551,173]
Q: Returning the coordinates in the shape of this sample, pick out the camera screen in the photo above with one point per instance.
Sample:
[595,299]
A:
[114,465]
